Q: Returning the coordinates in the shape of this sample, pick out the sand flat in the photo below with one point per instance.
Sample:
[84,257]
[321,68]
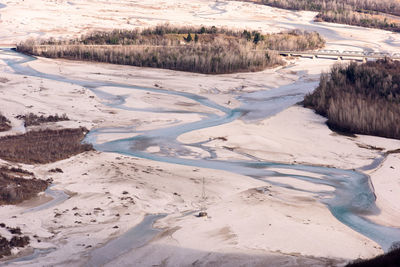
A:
[245,224]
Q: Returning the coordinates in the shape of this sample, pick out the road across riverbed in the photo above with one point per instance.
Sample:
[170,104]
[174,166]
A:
[341,55]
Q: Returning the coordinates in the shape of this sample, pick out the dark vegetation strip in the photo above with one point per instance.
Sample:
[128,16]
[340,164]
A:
[365,13]
[360,98]
[390,259]
[17,185]
[31,119]
[195,49]
[43,146]
[4,124]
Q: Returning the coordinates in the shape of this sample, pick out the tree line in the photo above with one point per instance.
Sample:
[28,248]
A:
[366,13]
[209,50]
[360,98]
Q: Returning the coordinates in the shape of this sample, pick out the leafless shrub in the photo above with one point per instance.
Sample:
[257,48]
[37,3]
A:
[33,119]
[55,170]
[4,123]
[5,248]
[15,241]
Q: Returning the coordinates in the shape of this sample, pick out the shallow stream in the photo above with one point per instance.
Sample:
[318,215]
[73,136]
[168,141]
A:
[352,198]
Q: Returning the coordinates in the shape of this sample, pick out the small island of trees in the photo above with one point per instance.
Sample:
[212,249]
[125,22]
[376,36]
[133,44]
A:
[208,50]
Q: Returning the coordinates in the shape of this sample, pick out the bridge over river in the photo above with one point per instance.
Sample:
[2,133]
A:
[341,55]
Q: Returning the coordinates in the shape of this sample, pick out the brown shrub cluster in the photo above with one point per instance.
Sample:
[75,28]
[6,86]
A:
[43,146]
[33,119]
[16,241]
[360,98]
[7,245]
[17,185]
[4,124]
[202,50]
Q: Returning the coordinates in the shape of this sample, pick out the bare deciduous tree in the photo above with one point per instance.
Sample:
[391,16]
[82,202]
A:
[215,51]
[360,98]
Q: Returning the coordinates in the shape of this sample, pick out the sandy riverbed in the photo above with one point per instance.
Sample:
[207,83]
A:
[246,225]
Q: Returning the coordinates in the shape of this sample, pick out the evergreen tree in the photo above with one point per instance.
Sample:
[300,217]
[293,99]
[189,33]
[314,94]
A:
[188,38]
[257,38]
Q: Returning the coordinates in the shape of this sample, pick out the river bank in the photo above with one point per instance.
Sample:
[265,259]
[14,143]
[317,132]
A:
[276,213]
[259,214]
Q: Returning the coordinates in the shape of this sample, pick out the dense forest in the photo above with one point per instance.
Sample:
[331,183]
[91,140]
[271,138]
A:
[360,98]
[367,13]
[196,49]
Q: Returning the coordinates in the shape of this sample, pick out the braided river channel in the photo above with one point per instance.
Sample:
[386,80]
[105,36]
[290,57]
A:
[351,199]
